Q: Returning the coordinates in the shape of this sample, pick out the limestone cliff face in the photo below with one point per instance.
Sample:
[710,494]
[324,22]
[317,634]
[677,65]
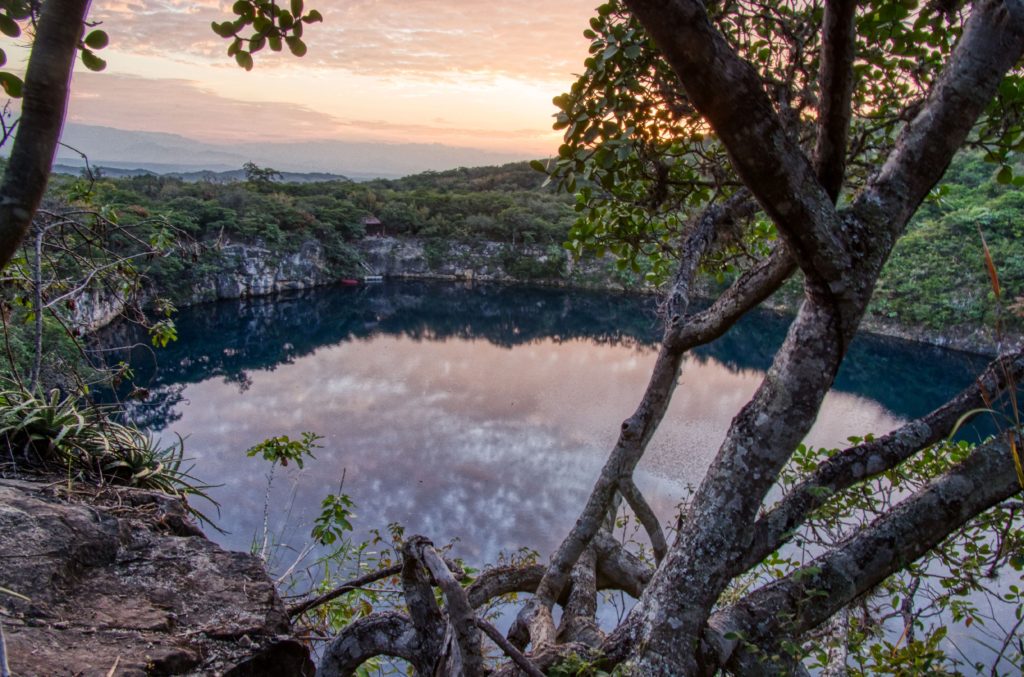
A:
[238,271]
[411,257]
[252,270]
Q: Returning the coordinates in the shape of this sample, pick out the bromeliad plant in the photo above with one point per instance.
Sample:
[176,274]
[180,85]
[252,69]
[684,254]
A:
[53,432]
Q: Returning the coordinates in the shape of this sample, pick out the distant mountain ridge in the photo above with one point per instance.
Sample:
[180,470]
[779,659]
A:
[195,175]
[163,153]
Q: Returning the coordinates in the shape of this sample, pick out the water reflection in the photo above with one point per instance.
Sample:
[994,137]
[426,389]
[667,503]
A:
[481,413]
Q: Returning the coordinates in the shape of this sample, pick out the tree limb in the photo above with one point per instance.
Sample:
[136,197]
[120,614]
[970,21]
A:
[835,84]
[645,514]
[801,601]
[461,618]
[354,584]
[872,458]
[521,661]
[385,633]
[47,81]
[729,93]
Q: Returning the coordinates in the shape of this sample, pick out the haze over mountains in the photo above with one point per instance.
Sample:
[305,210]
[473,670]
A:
[170,153]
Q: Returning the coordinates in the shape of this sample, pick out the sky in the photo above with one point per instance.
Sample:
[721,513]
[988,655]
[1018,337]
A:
[472,73]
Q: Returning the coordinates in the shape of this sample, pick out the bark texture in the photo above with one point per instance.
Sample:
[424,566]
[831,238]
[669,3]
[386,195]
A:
[44,103]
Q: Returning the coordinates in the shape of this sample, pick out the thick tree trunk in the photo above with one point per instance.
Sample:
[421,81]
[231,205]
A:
[42,117]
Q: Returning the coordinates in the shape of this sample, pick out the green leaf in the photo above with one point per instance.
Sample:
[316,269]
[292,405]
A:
[296,45]
[9,26]
[92,62]
[296,6]
[537,165]
[275,42]
[1005,175]
[225,29]
[3,57]
[313,17]
[97,39]
[244,60]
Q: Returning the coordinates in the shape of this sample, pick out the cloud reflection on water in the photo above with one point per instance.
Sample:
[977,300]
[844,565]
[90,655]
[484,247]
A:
[464,438]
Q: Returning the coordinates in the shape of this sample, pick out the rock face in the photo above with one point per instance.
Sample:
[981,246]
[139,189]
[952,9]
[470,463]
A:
[251,270]
[125,578]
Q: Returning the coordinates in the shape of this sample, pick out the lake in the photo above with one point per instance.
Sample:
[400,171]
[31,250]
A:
[482,413]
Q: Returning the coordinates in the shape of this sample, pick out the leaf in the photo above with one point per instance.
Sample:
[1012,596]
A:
[92,62]
[537,165]
[3,57]
[225,29]
[9,26]
[313,17]
[296,6]
[275,42]
[1005,175]
[244,60]
[992,273]
[1012,435]
[97,39]
[296,45]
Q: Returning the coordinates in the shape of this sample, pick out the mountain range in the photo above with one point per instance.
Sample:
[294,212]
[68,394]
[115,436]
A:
[163,153]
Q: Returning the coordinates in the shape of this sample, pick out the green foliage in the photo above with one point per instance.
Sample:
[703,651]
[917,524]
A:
[271,25]
[334,519]
[937,275]
[54,433]
[641,160]
[283,449]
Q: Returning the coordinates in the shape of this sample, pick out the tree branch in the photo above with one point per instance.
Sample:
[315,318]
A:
[730,95]
[835,83]
[356,583]
[461,618]
[991,44]
[385,633]
[646,516]
[801,601]
[521,661]
[43,107]
[872,458]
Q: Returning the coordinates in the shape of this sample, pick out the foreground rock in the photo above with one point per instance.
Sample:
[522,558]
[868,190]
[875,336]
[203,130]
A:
[123,578]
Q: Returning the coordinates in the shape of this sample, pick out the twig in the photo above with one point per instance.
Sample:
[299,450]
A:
[524,663]
[113,668]
[1006,643]
[355,583]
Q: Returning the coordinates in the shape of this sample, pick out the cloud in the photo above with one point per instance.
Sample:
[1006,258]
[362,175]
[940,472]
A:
[188,108]
[529,39]
[195,110]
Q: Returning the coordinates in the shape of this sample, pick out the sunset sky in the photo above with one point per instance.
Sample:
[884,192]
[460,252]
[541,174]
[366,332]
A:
[469,73]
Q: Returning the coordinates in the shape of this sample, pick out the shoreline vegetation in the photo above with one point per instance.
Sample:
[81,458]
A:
[261,236]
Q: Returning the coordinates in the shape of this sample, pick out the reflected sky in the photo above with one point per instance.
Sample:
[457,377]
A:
[464,438]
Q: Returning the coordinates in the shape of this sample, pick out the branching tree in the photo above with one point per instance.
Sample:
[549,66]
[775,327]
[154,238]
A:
[762,140]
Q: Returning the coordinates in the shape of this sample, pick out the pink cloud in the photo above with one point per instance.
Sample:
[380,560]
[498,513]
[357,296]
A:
[532,39]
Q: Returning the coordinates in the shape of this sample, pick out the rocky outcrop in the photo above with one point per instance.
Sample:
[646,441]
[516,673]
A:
[246,270]
[123,578]
[489,262]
